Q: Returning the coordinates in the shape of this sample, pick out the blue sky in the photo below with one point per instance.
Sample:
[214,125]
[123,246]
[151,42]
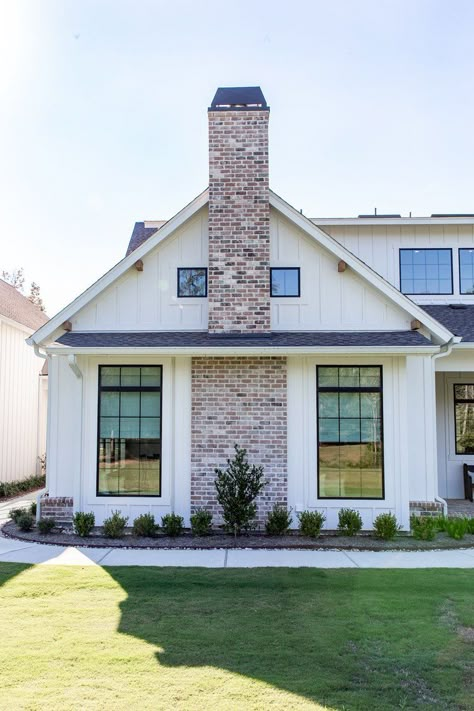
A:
[103,115]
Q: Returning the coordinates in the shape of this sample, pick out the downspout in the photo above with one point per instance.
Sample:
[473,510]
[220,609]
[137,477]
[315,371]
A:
[72,362]
[444,351]
[40,493]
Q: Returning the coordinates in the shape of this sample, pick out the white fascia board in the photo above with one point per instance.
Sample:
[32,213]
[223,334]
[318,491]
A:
[53,326]
[464,346]
[246,350]
[372,221]
[332,245]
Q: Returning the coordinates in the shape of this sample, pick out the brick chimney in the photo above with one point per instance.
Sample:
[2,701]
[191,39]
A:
[239,212]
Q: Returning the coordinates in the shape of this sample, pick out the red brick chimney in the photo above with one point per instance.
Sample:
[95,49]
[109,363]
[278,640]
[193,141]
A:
[239,212]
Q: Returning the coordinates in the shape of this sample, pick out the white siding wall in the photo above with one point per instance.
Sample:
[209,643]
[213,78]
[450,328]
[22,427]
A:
[148,300]
[302,443]
[21,404]
[379,245]
[329,301]
[72,464]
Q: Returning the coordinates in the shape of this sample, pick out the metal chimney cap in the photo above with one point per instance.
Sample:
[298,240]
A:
[239,98]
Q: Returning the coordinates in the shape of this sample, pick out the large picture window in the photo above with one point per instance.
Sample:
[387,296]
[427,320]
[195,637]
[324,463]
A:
[464,418]
[350,432]
[129,436]
[466,271]
[426,271]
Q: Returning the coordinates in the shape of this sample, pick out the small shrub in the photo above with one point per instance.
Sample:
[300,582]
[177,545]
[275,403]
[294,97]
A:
[201,523]
[46,525]
[350,522]
[237,488]
[83,523]
[311,523]
[386,526]
[441,522]
[172,524]
[12,488]
[114,526]
[278,521]
[424,528]
[25,522]
[144,525]
[470,525]
[16,513]
[33,508]
[457,527]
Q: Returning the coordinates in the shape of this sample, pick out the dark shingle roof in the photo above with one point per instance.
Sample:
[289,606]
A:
[202,339]
[140,234]
[457,318]
[18,308]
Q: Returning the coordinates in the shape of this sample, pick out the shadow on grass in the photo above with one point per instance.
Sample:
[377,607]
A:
[347,639]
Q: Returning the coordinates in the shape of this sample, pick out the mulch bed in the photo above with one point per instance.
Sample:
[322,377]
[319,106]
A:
[330,541]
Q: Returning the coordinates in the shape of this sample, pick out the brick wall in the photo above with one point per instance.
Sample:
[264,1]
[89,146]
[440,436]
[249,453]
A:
[238,400]
[239,221]
[58,507]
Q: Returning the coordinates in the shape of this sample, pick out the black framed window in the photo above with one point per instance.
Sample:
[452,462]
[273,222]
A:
[285,281]
[464,418]
[129,431]
[426,271]
[192,281]
[350,432]
[466,271]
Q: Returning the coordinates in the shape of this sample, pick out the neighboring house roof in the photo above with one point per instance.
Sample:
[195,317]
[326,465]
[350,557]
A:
[458,318]
[140,234]
[278,339]
[18,308]
[54,328]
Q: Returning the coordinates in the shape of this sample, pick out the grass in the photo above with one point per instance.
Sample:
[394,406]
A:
[150,638]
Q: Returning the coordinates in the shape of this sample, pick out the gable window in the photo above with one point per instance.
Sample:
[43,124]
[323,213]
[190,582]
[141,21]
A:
[350,439]
[285,281]
[129,446]
[426,271]
[192,281]
[466,271]
[464,418]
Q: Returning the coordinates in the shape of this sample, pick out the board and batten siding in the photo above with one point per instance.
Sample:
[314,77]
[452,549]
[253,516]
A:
[22,404]
[147,300]
[379,245]
[329,300]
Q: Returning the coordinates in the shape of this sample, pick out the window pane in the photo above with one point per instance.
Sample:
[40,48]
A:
[328,430]
[130,404]
[109,427]
[349,430]
[284,282]
[109,404]
[370,376]
[328,405]
[151,377]
[370,430]
[349,377]
[349,404]
[430,273]
[328,377]
[150,427]
[109,376]
[370,405]
[464,392]
[150,404]
[130,427]
[192,281]
[464,413]
[130,377]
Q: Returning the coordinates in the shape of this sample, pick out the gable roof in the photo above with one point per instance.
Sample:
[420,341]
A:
[19,308]
[53,328]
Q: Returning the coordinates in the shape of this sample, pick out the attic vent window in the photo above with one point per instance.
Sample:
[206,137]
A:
[239,98]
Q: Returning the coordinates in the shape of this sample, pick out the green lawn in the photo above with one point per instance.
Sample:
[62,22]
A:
[150,638]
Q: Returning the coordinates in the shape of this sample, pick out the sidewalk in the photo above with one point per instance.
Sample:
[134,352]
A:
[36,553]
[16,503]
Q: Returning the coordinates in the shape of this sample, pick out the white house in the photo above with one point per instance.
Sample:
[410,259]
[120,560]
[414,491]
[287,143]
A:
[23,387]
[339,352]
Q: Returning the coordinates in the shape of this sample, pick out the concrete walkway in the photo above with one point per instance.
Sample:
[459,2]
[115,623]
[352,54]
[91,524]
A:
[36,553]
[17,503]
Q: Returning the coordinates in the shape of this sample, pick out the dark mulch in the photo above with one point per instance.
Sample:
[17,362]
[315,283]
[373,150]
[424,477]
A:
[255,540]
